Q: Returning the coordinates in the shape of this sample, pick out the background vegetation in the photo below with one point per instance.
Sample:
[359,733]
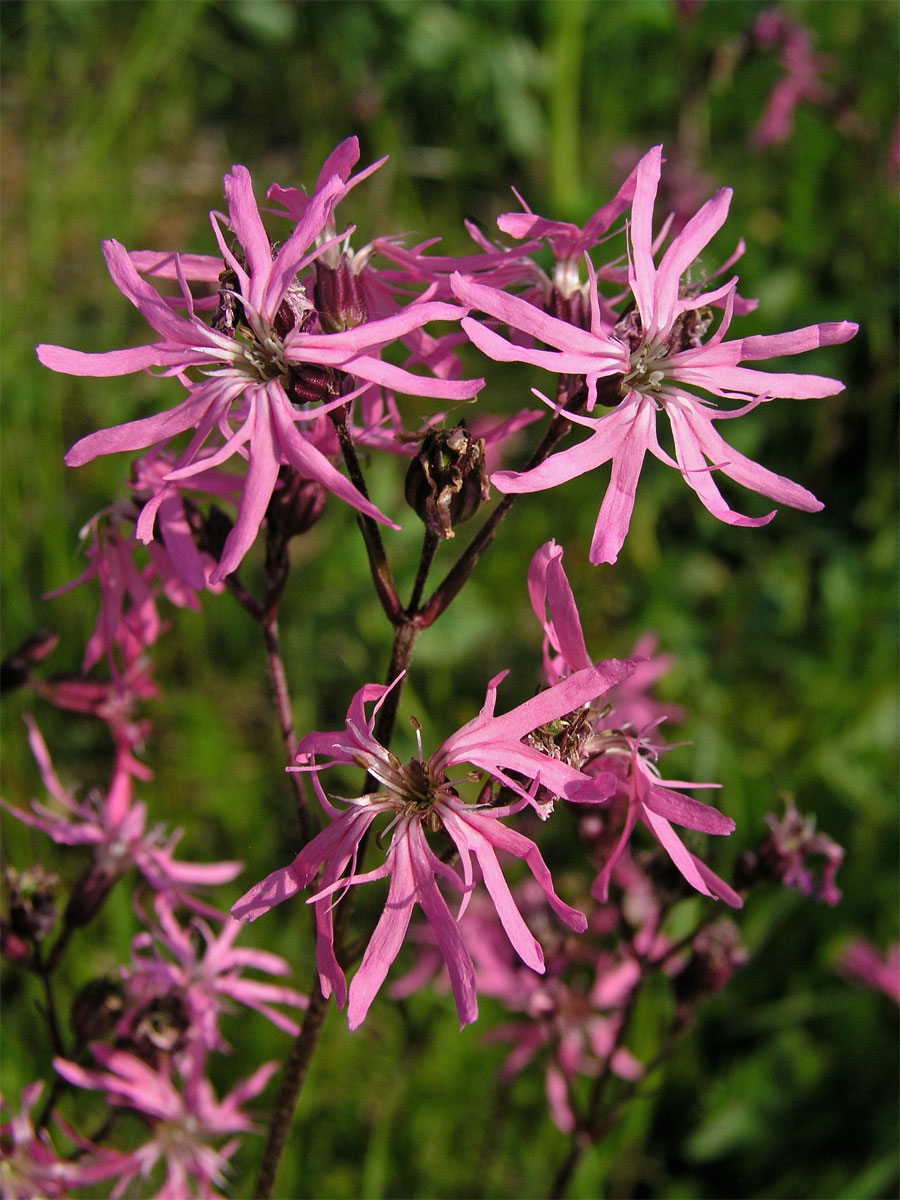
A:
[120,119]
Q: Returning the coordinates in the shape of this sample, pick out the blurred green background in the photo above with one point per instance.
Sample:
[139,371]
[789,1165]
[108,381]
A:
[119,121]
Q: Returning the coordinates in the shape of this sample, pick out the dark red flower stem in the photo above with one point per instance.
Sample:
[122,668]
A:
[429,546]
[266,616]
[292,1080]
[378,562]
[282,699]
[276,575]
[43,971]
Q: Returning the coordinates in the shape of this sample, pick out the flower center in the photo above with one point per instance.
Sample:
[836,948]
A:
[261,359]
[255,346]
[647,368]
[649,359]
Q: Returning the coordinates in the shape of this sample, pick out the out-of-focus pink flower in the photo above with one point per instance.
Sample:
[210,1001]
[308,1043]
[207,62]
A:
[651,361]
[772,30]
[115,825]
[632,705]
[206,971]
[112,701]
[860,962]
[260,356]
[185,1121]
[128,622]
[688,9]
[419,797]
[792,847]
[682,190]
[30,1165]
[575,1012]
[498,265]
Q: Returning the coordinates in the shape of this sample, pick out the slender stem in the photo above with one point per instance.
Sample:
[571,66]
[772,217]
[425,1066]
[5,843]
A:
[297,1066]
[59,947]
[605,1121]
[286,723]
[401,653]
[53,1095]
[243,597]
[563,1176]
[44,969]
[50,1005]
[429,546]
[456,577]
[378,562]
[291,1082]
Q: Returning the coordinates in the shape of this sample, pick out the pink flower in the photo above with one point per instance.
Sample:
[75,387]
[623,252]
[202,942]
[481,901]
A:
[653,359]
[419,797]
[654,802]
[801,79]
[498,265]
[30,1165]
[184,1121]
[631,756]
[257,356]
[206,970]
[793,850]
[115,825]
[183,570]
[860,962]
[562,293]
[128,622]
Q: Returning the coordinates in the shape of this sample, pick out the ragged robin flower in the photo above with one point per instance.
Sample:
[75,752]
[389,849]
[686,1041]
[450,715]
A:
[421,798]
[656,359]
[263,371]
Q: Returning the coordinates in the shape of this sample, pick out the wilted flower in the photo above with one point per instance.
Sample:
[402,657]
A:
[716,953]
[446,482]
[794,854]
[31,896]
